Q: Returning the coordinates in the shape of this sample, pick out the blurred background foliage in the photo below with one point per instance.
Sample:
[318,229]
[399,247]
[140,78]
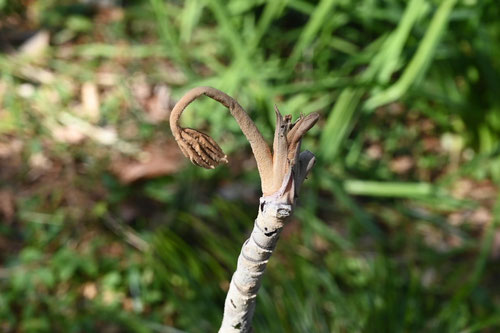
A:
[106,228]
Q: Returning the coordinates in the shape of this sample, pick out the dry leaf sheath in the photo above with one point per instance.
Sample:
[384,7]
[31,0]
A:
[281,172]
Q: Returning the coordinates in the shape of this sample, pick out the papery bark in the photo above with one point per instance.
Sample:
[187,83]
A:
[274,211]
[252,261]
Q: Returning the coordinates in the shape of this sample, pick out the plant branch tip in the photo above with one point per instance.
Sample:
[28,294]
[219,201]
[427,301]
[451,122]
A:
[275,168]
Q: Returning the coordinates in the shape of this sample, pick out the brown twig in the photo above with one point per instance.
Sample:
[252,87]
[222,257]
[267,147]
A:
[203,151]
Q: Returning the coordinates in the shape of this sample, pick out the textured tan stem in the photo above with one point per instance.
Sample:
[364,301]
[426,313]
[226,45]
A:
[210,151]
[281,173]
[255,253]
[280,149]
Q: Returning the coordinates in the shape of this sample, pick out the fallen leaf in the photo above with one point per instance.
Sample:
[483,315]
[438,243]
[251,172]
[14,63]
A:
[109,14]
[374,151]
[26,90]
[7,205]
[484,190]
[481,217]
[68,134]
[158,105]
[40,161]
[128,304]
[456,218]
[155,101]
[40,165]
[431,144]
[10,148]
[427,125]
[110,296]
[160,159]
[401,164]
[89,290]
[438,240]
[108,79]
[36,45]
[37,74]
[90,101]
[140,88]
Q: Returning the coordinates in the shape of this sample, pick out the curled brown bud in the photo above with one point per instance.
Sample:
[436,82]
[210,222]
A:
[278,170]
[201,149]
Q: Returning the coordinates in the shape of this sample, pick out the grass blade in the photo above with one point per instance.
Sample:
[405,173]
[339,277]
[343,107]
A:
[420,60]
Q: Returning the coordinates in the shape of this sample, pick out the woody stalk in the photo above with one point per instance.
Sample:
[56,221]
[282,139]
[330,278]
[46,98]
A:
[282,173]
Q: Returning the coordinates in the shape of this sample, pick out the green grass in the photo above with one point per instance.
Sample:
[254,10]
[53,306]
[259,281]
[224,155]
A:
[397,226]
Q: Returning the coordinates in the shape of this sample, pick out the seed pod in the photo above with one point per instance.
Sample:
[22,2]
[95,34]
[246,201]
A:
[201,149]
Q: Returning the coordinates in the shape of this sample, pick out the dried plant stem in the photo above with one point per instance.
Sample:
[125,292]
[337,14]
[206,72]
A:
[252,261]
[259,146]
[282,174]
